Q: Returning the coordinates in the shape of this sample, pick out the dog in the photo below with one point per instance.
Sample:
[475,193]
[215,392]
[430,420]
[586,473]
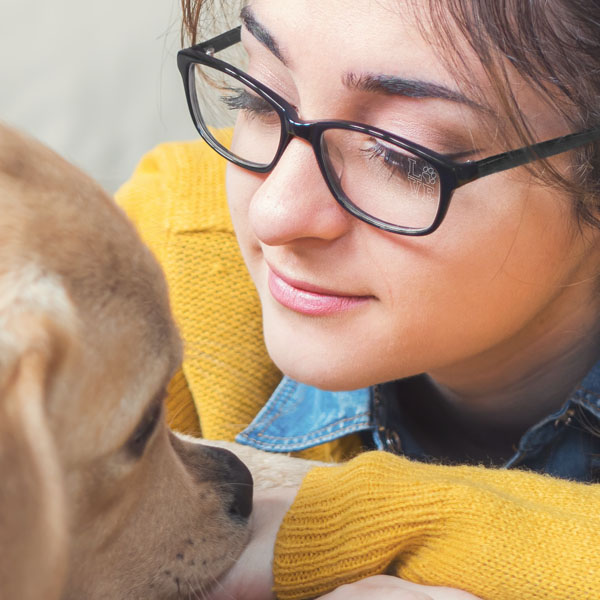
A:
[98,499]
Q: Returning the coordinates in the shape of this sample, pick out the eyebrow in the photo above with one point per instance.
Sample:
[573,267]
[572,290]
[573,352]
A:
[366,82]
[409,88]
[260,33]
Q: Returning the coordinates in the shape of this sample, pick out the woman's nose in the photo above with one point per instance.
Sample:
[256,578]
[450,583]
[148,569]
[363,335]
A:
[293,202]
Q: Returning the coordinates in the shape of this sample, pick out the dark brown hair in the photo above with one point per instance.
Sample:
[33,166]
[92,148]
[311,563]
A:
[553,44]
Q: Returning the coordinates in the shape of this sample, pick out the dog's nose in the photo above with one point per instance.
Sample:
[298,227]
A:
[221,467]
[242,490]
[238,481]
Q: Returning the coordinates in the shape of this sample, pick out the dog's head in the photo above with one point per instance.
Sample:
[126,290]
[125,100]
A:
[99,499]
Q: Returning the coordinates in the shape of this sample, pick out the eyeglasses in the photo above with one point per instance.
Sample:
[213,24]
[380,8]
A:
[381,178]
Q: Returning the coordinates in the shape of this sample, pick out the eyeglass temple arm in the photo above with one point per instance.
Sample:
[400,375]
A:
[522,156]
[220,42]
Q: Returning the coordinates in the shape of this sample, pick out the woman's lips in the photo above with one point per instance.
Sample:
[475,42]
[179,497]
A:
[314,301]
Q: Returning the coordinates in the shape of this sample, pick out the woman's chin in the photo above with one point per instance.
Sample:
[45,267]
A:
[323,369]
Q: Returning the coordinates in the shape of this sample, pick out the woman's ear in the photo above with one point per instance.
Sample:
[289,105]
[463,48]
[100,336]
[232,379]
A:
[33,526]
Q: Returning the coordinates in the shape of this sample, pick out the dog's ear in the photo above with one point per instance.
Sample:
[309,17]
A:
[33,528]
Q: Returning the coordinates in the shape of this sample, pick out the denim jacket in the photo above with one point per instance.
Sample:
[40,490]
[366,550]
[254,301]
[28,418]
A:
[564,444]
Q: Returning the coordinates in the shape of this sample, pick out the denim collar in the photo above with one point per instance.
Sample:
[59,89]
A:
[581,407]
[299,416]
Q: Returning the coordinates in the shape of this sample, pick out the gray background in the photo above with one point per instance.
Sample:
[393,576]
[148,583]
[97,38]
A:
[95,80]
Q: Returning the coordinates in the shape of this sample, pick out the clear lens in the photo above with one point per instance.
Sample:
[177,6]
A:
[381,179]
[223,102]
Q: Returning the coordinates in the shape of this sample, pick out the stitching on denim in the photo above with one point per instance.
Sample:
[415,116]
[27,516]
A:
[314,435]
[591,405]
[326,429]
[276,409]
[587,393]
[282,403]
[297,445]
[586,390]
[579,397]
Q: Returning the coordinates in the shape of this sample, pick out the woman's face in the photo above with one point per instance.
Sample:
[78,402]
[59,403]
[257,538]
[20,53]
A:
[347,305]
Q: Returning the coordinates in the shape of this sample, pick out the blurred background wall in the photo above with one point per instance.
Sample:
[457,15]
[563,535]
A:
[95,80]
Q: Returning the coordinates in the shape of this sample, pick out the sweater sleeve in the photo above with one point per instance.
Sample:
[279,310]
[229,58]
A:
[499,534]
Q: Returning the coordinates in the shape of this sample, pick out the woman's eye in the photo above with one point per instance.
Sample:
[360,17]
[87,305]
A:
[242,99]
[396,162]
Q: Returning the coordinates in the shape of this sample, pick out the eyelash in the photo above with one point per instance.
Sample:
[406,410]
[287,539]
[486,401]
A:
[253,105]
[395,162]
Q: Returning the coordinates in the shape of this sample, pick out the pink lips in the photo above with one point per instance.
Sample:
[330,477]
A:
[314,301]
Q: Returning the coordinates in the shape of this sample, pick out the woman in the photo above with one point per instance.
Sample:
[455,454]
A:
[420,299]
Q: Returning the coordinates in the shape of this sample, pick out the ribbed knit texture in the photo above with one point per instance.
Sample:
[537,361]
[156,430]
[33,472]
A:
[181,412]
[499,534]
[502,535]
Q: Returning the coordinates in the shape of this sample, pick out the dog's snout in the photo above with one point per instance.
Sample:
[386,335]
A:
[221,467]
[238,481]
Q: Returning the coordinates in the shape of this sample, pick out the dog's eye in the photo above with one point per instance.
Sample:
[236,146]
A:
[137,442]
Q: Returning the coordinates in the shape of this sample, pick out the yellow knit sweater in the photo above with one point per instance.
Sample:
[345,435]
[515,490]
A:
[502,535]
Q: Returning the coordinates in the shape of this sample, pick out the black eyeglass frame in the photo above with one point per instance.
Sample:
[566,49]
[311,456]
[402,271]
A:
[452,174]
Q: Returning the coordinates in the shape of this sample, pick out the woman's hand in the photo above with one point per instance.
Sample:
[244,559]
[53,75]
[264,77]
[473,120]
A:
[386,587]
[251,578]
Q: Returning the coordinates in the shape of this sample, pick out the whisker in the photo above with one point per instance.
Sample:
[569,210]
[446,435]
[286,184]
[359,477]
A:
[217,583]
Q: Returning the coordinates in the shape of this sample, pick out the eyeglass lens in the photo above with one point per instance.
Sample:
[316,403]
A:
[224,102]
[379,178]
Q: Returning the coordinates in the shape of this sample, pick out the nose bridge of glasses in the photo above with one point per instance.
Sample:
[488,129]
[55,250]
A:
[305,130]
[310,132]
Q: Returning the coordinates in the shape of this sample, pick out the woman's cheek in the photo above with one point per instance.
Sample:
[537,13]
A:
[241,186]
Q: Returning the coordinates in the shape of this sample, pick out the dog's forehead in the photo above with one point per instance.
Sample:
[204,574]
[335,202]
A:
[55,216]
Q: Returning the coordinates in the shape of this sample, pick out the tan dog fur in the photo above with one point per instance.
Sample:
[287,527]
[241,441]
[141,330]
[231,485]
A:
[269,470]
[87,347]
